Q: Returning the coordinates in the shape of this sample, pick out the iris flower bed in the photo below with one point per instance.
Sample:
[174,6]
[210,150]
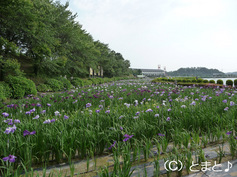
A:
[113,118]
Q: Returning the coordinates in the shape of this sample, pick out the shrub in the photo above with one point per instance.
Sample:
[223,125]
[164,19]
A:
[205,81]
[184,80]
[212,81]
[43,88]
[94,80]
[21,86]
[194,81]
[219,81]
[66,83]
[229,82]
[10,67]
[87,82]
[77,82]
[5,91]
[199,80]
[54,84]
[235,82]
[171,80]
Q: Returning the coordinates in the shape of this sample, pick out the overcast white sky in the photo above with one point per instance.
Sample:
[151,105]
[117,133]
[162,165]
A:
[172,33]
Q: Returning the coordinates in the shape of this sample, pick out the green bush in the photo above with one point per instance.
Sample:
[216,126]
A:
[194,81]
[219,81]
[43,88]
[184,80]
[205,81]
[54,84]
[94,80]
[199,80]
[229,82]
[212,82]
[77,82]
[66,83]
[21,86]
[235,82]
[87,82]
[5,91]
[10,67]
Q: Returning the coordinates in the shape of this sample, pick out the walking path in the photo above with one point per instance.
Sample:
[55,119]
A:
[82,168]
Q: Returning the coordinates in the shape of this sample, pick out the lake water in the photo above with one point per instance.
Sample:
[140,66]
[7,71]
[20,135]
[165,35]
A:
[224,79]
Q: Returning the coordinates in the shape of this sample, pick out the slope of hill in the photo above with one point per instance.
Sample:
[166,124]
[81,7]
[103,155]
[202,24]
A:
[196,71]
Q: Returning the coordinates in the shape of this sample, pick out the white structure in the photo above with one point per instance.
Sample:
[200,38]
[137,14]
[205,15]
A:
[151,72]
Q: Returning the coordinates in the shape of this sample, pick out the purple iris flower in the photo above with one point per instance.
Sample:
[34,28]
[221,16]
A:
[74,101]
[5,114]
[226,109]
[26,132]
[53,120]
[157,115]
[112,145]
[161,134]
[17,121]
[48,104]
[97,111]
[168,119]
[10,129]
[232,103]
[228,133]
[28,112]
[36,117]
[88,105]
[38,104]
[121,128]
[224,101]
[42,112]
[9,121]
[10,158]
[137,113]
[193,103]
[66,117]
[127,137]
[56,113]
[108,111]
[149,110]
[120,117]
[169,110]
[47,121]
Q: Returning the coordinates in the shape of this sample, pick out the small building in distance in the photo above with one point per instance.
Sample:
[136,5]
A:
[151,72]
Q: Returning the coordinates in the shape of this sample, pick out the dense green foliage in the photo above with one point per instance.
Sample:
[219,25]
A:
[45,38]
[235,82]
[229,82]
[43,88]
[219,81]
[21,86]
[195,71]
[212,81]
[5,91]
[55,84]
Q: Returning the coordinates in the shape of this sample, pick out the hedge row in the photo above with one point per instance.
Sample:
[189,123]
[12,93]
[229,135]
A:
[58,84]
[219,81]
[16,87]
